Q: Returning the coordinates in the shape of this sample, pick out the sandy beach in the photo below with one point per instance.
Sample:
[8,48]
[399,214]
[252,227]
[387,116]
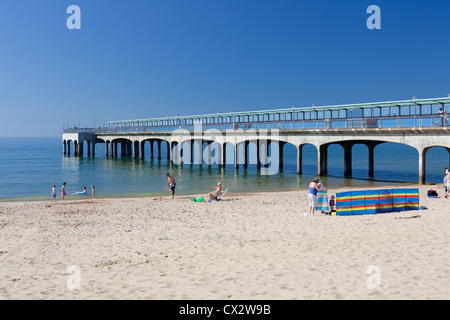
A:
[247,246]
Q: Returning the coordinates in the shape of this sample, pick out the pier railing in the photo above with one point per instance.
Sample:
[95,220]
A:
[422,121]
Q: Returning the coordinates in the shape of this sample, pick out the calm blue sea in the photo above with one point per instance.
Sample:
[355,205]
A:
[30,166]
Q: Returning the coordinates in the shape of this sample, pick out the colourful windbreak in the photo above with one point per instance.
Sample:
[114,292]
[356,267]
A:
[322,201]
[376,201]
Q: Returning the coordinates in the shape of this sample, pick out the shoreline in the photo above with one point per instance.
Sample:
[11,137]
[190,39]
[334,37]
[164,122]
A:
[394,185]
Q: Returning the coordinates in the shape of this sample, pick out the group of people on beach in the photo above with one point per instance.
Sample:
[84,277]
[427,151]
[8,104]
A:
[171,187]
[64,193]
[314,187]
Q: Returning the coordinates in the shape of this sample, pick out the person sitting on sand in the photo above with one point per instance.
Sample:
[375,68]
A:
[214,195]
[81,192]
[332,204]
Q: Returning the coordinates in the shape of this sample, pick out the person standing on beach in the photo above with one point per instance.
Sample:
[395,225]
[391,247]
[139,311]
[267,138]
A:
[170,185]
[312,195]
[63,190]
[93,192]
[447,184]
[54,192]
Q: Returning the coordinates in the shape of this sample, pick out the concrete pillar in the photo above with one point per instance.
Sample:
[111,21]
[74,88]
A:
[68,148]
[151,150]
[236,155]
[422,165]
[107,148]
[142,150]
[322,160]
[64,147]
[371,159]
[223,154]
[169,151]
[80,149]
[266,152]
[88,148]
[93,149]
[129,145]
[135,149]
[299,159]
[246,154]
[159,149]
[200,151]
[123,149]
[258,154]
[348,158]
[116,147]
[111,149]
[75,148]
[280,154]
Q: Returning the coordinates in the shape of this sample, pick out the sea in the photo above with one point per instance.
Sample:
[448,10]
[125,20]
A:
[29,167]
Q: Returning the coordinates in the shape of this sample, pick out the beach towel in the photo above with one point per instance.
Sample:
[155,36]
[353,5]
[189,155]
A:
[322,201]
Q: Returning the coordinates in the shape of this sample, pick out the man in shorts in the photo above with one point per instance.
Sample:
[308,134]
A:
[170,185]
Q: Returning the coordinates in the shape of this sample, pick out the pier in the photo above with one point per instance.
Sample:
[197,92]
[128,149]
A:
[418,123]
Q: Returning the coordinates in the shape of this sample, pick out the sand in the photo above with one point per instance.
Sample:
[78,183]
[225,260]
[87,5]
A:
[248,246]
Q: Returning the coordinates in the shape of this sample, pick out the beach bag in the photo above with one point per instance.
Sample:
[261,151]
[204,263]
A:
[432,193]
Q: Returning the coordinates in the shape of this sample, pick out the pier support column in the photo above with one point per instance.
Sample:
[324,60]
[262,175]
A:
[223,154]
[129,148]
[75,148]
[200,152]
[169,151]
[151,150]
[246,154]
[107,148]
[68,148]
[322,162]
[347,158]
[236,155]
[80,149]
[116,147]
[111,149]
[158,143]
[88,148]
[371,147]
[123,149]
[258,154]
[422,165]
[142,150]
[299,159]
[64,147]
[280,154]
[136,149]
[266,152]
[93,149]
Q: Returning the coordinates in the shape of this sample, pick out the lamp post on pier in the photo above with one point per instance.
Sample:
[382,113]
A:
[415,109]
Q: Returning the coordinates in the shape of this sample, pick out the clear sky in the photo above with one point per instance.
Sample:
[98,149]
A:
[148,58]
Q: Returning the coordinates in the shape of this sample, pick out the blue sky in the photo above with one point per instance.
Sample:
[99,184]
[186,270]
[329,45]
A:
[145,58]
